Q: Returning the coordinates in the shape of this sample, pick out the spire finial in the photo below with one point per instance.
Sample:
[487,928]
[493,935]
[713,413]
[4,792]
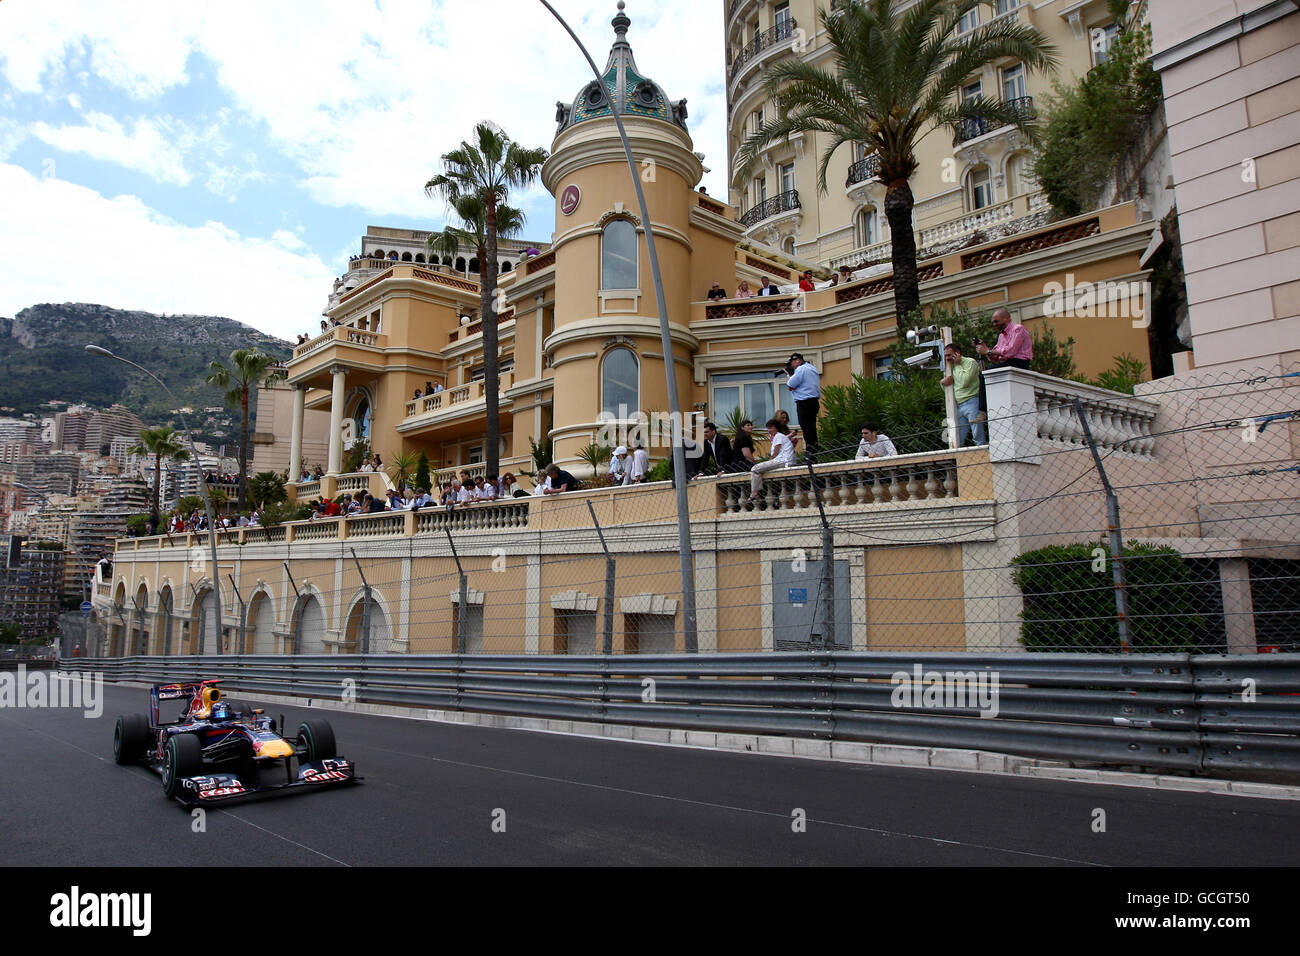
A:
[621,21]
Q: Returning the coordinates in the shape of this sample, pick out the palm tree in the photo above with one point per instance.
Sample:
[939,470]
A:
[163,442]
[476,182]
[248,369]
[897,75]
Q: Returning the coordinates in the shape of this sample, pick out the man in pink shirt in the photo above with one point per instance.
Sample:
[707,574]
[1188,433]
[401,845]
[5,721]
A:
[1014,347]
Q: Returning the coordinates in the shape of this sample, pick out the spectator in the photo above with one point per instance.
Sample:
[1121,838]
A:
[367,466]
[768,287]
[560,480]
[717,292]
[806,389]
[379,465]
[324,326]
[437,387]
[964,376]
[806,283]
[782,456]
[418,394]
[743,291]
[718,455]
[640,467]
[618,465]
[428,387]
[1014,347]
[742,458]
[874,444]
[464,489]
[488,489]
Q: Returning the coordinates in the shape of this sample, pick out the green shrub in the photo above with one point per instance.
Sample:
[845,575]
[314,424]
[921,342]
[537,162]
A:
[1069,600]
[661,470]
[422,479]
[137,525]
[279,512]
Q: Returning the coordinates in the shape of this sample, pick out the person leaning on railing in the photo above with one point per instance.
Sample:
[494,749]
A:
[782,456]
[1014,347]
[964,376]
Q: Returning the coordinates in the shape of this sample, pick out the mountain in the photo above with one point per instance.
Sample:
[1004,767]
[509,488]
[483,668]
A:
[43,358]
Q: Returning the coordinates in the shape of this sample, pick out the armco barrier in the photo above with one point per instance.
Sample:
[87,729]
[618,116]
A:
[1217,715]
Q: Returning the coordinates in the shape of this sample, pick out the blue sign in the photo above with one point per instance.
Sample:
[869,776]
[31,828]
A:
[86,608]
[798,596]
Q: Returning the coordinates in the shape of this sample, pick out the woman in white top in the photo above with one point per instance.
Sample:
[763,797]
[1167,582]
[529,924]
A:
[782,455]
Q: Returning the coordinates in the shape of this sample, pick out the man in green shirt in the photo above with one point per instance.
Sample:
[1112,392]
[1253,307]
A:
[964,376]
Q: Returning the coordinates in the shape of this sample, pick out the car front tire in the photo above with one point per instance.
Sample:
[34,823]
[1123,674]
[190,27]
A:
[182,757]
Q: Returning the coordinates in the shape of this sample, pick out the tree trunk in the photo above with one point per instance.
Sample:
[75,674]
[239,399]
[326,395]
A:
[491,374]
[157,483]
[898,210]
[243,452]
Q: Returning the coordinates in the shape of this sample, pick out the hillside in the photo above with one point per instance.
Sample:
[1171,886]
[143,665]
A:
[43,358]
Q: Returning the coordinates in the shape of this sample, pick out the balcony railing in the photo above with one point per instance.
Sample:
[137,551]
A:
[762,41]
[971,128]
[864,169]
[784,202]
[471,392]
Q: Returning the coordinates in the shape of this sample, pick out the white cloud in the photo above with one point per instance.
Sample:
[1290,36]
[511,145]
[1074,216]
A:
[364,98]
[153,147]
[126,255]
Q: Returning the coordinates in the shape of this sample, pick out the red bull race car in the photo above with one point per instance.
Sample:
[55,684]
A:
[220,749]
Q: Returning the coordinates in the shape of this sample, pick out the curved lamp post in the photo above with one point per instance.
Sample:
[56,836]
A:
[203,485]
[674,405]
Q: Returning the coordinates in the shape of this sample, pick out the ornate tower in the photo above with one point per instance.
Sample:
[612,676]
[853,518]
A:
[605,347]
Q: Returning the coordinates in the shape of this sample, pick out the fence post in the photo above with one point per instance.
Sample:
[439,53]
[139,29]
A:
[462,611]
[828,564]
[608,642]
[243,616]
[297,612]
[1116,537]
[364,636]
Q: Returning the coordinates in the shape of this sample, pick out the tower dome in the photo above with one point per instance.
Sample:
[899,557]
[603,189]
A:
[621,85]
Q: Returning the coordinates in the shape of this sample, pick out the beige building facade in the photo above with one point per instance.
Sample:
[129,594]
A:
[926,539]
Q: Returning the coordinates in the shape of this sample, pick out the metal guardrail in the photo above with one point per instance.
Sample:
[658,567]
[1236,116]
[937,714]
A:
[1210,714]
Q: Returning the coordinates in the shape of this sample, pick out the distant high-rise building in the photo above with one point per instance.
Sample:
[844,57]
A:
[30,579]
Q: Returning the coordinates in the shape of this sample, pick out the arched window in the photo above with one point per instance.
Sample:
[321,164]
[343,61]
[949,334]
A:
[507,267]
[406,257]
[618,256]
[1019,179]
[362,417]
[868,227]
[620,392]
[460,264]
[787,245]
[419,257]
[473,265]
[979,188]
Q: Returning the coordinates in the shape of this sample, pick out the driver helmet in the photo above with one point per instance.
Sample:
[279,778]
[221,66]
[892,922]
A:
[222,711]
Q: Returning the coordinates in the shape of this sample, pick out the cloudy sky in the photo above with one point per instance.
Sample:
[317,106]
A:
[225,158]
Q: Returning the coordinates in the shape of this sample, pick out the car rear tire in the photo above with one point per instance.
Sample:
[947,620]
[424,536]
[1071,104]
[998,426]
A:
[182,757]
[317,736]
[130,738]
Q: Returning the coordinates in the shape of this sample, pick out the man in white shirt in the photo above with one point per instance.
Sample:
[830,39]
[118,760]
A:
[465,493]
[782,456]
[636,471]
[488,491]
[874,444]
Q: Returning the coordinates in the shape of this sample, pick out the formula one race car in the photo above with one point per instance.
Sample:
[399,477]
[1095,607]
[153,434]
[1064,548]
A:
[220,749]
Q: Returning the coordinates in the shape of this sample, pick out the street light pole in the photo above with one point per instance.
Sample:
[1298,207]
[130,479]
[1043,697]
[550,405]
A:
[666,343]
[203,486]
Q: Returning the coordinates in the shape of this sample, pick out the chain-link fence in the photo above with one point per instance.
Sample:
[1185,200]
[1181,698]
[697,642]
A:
[1092,521]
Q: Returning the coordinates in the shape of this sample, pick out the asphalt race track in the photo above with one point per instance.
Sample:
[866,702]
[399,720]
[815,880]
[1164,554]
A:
[432,793]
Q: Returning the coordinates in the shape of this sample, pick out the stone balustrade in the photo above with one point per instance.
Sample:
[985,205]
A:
[881,481]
